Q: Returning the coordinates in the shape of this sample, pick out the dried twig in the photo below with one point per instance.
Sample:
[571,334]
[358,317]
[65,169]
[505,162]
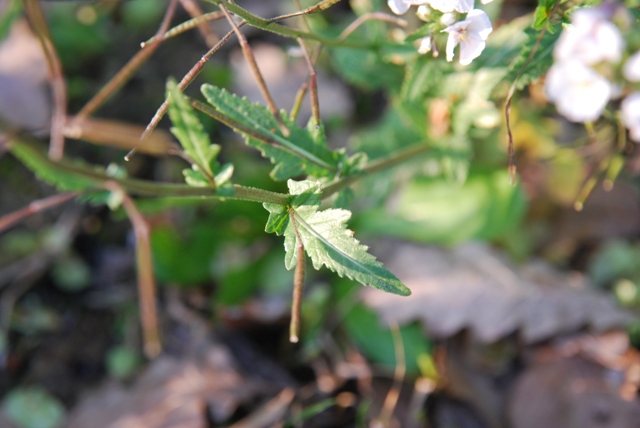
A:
[193,9]
[34,207]
[146,281]
[313,85]
[253,66]
[127,71]
[298,283]
[56,78]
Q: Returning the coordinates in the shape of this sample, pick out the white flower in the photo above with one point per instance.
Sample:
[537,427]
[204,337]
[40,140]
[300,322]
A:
[400,7]
[425,44]
[631,69]
[630,109]
[449,18]
[470,34]
[462,6]
[590,39]
[579,92]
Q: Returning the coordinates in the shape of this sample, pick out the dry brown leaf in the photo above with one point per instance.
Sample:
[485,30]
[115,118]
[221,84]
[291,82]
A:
[473,287]
[172,392]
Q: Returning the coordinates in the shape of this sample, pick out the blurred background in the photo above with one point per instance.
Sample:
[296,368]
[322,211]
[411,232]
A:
[524,311]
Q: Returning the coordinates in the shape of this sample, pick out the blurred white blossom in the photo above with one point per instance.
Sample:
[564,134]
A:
[631,69]
[590,39]
[462,6]
[471,34]
[448,18]
[630,109]
[425,45]
[579,92]
[400,7]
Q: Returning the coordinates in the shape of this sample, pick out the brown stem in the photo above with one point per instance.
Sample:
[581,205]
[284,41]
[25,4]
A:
[34,207]
[131,67]
[298,283]
[56,78]
[193,9]
[146,280]
[313,85]
[393,395]
[379,16]
[186,81]
[257,75]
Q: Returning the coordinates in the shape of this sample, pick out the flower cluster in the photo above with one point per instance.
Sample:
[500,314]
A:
[471,33]
[590,45]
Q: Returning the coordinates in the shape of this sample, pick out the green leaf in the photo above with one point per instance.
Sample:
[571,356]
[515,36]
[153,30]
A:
[366,69]
[327,240]
[195,142]
[486,207]
[60,174]
[33,407]
[541,61]
[300,153]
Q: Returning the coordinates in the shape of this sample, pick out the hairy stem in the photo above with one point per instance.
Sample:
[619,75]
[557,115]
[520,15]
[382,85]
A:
[298,283]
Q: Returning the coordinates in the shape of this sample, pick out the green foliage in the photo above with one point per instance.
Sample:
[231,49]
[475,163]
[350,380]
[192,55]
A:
[304,151]
[326,239]
[33,407]
[205,171]
[366,69]
[429,210]
[122,362]
[541,60]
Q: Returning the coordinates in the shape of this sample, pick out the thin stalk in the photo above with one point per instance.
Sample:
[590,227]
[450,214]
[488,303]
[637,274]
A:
[189,25]
[257,75]
[131,67]
[65,167]
[298,283]
[271,26]
[391,400]
[377,16]
[313,85]
[298,101]
[34,207]
[146,280]
[374,167]
[196,12]
[56,78]
[186,81]
[317,8]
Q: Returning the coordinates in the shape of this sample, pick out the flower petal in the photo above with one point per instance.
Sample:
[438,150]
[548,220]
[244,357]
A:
[631,69]
[471,48]
[630,109]
[399,7]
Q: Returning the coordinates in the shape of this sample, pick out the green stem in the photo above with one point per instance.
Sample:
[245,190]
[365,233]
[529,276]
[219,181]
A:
[273,27]
[375,167]
[34,158]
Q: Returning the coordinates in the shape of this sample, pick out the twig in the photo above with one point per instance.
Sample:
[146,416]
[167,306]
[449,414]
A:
[298,283]
[186,81]
[298,101]
[313,85]
[378,16]
[34,207]
[511,151]
[56,78]
[194,10]
[320,7]
[393,395]
[146,280]
[257,75]
[127,71]
[188,25]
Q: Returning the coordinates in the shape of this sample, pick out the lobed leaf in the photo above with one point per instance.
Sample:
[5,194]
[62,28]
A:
[327,240]
[195,142]
[302,152]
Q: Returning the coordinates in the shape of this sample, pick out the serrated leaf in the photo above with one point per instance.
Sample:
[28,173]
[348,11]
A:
[59,173]
[328,242]
[299,153]
[189,131]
